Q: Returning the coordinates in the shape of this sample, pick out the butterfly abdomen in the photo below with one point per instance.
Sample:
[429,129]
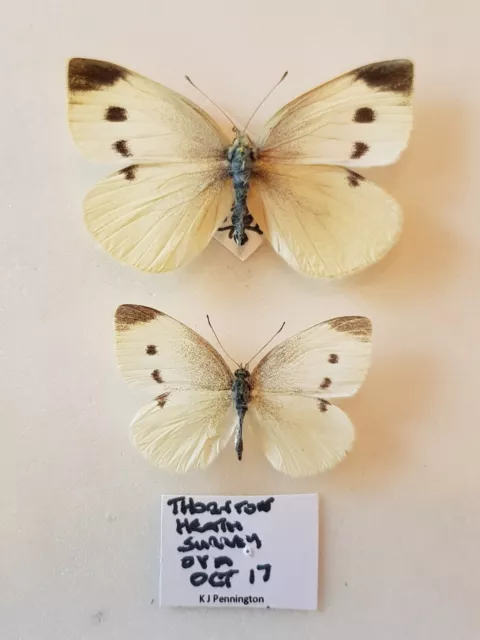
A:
[240,158]
[241,392]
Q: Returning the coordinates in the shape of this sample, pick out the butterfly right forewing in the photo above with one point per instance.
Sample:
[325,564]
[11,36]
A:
[363,118]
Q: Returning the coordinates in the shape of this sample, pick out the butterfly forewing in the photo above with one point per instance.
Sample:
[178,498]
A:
[117,114]
[360,119]
[189,420]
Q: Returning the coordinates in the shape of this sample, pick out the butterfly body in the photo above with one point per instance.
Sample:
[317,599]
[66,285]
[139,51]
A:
[240,158]
[241,394]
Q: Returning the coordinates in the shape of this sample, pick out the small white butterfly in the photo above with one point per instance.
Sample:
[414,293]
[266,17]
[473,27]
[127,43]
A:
[296,184]
[199,404]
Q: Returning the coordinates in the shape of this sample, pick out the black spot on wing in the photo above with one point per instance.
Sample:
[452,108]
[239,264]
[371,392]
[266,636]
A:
[354,178]
[359,150]
[323,405]
[129,173]
[151,350]
[333,358]
[162,399]
[121,147]
[364,114]
[116,114]
[393,75]
[157,376]
[93,75]
[326,382]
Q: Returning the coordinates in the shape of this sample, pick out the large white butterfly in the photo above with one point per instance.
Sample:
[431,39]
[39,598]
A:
[297,182]
[199,404]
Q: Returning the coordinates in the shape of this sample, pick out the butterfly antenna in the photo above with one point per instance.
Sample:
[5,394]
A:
[265,345]
[265,98]
[221,345]
[214,103]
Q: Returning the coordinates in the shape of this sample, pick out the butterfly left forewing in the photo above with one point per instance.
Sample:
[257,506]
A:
[301,432]
[117,114]
[189,420]
[360,119]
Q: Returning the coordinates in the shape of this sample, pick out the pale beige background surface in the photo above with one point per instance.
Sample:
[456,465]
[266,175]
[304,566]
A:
[80,508]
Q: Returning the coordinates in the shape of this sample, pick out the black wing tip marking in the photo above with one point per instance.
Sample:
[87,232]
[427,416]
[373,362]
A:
[391,75]
[358,327]
[93,75]
[128,315]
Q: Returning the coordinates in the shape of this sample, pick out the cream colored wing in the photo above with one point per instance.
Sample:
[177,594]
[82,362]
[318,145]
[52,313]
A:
[191,417]
[300,431]
[158,217]
[325,221]
[300,436]
[361,119]
[116,114]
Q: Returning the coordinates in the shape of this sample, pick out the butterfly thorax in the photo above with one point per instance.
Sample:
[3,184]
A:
[241,393]
[241,158]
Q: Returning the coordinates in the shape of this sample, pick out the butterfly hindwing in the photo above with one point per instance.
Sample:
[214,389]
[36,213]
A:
[189,420]
[300,436]
[184,430]
[158,217]
[360,119]
[300,431]
[325,221]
